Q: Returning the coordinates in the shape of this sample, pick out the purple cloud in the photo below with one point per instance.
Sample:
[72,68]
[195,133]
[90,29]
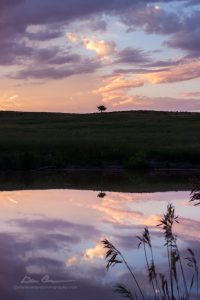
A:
[152,20]
[187,40]
[131,55]
[54,56]
[41,225]
[138,71]
[18,15]
[44,35]
[48,72]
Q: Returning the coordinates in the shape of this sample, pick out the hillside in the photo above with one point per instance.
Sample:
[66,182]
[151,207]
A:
[131,139]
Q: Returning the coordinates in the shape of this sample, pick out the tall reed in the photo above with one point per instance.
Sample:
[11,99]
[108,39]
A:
[172,285]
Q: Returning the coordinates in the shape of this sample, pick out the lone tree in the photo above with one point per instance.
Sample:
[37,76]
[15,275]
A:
[101,108]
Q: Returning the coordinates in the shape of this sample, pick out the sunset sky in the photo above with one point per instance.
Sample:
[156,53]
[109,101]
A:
[72,55]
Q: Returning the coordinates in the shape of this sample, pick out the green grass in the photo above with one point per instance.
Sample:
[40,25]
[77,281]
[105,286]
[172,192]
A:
[132,139]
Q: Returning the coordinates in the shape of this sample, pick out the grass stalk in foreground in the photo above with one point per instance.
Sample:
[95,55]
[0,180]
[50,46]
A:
[170,286]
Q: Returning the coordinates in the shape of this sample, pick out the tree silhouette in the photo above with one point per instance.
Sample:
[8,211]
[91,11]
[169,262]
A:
[101,108]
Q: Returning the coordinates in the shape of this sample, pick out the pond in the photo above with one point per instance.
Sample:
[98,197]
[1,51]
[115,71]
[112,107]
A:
[52,225]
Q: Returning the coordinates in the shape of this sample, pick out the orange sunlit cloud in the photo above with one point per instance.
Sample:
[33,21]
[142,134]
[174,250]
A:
[72,37]
[8,101]
[114,89]
[102,48]
[97,252]
[119,82]
[190,94]
[187,70]
[116,211]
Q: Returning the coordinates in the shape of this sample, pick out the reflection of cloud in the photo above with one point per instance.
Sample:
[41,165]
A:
[56,225]
[14,267]
[97,252]
[72,260]
[152,220]
[12,200]
[188,229]
[114,210]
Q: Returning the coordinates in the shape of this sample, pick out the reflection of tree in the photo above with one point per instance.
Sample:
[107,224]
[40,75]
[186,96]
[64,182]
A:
[195,194]
[101,195]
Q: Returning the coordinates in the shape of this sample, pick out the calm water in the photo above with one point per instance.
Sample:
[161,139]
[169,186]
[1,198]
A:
[50,239]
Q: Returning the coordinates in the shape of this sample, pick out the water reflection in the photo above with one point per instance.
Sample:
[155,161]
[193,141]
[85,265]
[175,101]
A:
[58,233]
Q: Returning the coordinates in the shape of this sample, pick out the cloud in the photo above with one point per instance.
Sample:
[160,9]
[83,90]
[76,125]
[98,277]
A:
[44,35]
[15,264]
[97,252]
[53,55]
[183,27]
[115,211]
[137,71]
[119,82]
[190,94]
[55,226]
[135,101]
[131,55]
[116,87]
[155,103]
[9,100]
[72,37]
[187,40]
[55,73]
[4,4]
[187,70]
[98,25]
[102,48]
[152,19]
[165,63]
[72,260]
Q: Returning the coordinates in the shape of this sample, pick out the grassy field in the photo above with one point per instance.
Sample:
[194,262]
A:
[131,139]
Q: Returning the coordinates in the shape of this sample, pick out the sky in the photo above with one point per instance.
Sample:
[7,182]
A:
[73,55]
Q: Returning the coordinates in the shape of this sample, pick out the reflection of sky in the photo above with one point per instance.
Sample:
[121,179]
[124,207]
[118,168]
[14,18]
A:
[59,232]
